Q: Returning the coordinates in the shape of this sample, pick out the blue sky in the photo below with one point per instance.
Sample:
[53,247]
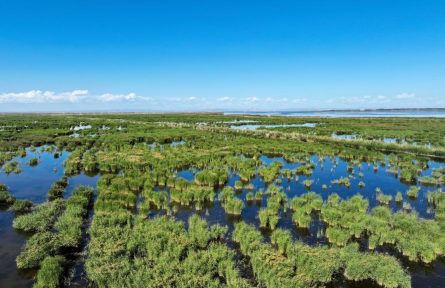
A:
[226,55]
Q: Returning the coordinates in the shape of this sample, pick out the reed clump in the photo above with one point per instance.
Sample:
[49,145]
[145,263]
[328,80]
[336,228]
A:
[285,261]
[6,198]
[22,206]
[42,219]
[413,192]
[51,273]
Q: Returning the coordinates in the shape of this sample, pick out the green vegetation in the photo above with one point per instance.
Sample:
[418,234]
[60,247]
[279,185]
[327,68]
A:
[21,206]
[413,192]
[33,161]
[399,197]
[280,264]
[234,206]
[342,181]
[384,199]
[44,243]
[140,175]
[5,197]
[51,273]
[58,188]
[42,219]
[10,167]
[178,257]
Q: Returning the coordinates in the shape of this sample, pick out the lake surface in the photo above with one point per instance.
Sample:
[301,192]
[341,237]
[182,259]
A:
[253,127]
[33,183]
[438,114]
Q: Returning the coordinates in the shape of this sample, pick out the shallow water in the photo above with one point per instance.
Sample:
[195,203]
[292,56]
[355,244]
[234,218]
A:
[33,183]
[386,140]
[438,114]
[253,127]
[432,275]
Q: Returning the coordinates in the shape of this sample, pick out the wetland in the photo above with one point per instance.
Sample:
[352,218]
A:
[212,200]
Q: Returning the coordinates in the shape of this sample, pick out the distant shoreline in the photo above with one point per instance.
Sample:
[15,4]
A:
[283,112]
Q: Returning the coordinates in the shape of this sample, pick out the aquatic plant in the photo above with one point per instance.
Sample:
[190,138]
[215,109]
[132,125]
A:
[259,195]
[211,178]
[284,262]
[273,190]
[21,206]
[5,197]
[342,181]
[308,183]
[70,222]
[51,273]
[408,174]
[399,197]
[33,161]
[58,188]
[234,206]
[206,263]
[249,196]
[406,206]
[238,185]
[413,192]
[42,219]
[270,173]
[37,248]
[428,180]
[301,218]
[10,167]
[218,232]
[226,194]
[384,199]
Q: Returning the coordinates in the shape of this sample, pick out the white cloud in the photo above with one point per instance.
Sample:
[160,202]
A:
[303,100]
[353,99]
[223,99]
[191,99]
[37,96]
[252,99]
[116,97]
[405,96]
